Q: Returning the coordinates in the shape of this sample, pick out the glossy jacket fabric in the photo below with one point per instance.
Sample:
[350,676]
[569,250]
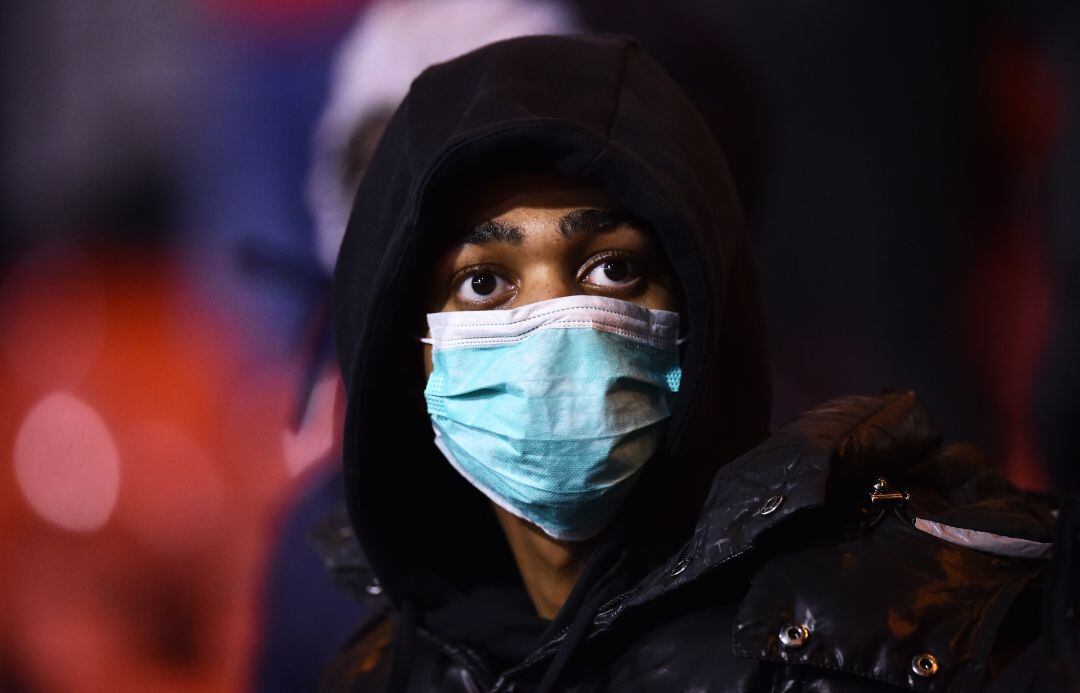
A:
[805,572]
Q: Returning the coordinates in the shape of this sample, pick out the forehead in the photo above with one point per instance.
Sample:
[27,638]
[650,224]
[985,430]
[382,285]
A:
[519,195]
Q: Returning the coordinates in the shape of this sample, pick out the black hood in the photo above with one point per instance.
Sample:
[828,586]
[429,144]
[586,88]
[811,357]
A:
[596,108]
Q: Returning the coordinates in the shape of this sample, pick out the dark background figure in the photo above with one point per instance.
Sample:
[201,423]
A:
[887,157]
[1058,393]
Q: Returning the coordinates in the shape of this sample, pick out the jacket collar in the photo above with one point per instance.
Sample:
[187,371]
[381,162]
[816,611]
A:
[784,476]
[853,439]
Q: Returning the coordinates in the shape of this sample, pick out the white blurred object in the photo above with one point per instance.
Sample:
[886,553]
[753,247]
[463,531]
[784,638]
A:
[66,463]
[393,42]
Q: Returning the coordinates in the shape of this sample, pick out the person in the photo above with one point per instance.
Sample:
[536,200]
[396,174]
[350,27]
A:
[556,447]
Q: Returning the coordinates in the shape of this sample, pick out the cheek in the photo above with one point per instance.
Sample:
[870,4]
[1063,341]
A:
[428,367]
[661,298]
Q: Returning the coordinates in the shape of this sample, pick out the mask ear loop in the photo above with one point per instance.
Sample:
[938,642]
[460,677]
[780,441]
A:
[421,339]
[684,332]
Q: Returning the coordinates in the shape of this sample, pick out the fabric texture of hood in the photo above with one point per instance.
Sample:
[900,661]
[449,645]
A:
[596,108]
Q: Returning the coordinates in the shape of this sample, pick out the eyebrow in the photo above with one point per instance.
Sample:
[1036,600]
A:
[590,221]
[572,223]
[489,231]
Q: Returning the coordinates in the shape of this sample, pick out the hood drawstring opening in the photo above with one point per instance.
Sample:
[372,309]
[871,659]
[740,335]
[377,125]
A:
[608,558]
[576,632]
[404,639]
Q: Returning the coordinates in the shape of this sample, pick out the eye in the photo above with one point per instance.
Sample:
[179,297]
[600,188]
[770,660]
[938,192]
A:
[482,286]
[612,272]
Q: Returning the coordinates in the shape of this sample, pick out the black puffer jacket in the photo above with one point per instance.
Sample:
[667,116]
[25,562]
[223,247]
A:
[793,572]
[805,572]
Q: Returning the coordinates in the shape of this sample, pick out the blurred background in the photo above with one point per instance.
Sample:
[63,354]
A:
[176,175]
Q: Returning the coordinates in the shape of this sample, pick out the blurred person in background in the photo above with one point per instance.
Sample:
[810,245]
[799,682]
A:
[140,411]
[534,198]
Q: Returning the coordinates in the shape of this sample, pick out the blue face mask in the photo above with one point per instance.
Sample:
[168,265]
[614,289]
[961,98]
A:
[551,409]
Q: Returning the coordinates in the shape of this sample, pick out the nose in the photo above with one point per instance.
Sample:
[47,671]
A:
[544,281]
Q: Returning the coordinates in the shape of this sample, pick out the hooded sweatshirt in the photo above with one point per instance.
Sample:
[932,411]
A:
[594,108]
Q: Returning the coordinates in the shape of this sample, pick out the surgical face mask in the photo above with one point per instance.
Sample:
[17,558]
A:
[552,409]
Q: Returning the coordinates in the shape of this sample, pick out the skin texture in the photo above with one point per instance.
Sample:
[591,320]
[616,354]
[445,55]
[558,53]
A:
[533,238]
